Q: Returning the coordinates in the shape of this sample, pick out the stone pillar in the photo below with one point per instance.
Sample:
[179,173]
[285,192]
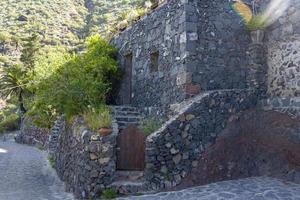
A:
[257,69]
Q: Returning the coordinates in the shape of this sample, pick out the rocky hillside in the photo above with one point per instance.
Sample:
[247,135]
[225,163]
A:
[64,22]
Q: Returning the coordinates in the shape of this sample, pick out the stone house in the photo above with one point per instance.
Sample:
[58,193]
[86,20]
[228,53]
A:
[180,50]
[194,62]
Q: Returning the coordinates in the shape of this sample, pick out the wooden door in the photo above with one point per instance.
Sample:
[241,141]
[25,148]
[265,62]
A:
[131,149]
[128,80]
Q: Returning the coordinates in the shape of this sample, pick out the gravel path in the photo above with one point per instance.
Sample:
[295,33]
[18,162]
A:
[25,174]
[260,188]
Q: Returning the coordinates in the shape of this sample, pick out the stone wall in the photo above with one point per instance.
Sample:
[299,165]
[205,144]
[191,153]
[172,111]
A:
[216,45]
[84,161]
[283,42]
[172,151]
[161,31]
[254,143]
[287,105]
[201,45]
[32,135]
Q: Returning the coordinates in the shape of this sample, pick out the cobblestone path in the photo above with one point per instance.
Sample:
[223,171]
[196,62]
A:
[25,174]
[260,188]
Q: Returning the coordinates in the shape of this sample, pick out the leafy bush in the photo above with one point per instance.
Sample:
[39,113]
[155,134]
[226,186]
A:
[10,123]
[78,82]
[109,194]
[98,118]
[150,125]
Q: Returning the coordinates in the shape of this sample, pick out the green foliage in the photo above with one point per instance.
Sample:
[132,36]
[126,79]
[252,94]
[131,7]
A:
[5,37]
[77,83]
[29,52]
[15,79]
[256,23]
[98,118]
[150,125]
[41,148]
[52,161]
[109,194]
[10,123]
[13,82]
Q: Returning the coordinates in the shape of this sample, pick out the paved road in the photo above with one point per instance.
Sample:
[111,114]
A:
[25,174]
[261,188]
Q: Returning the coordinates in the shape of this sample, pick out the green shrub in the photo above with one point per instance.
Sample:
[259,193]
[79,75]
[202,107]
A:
[98,118]
[109,194]
[10,123]
[52,161]
[150,125]
[77,81]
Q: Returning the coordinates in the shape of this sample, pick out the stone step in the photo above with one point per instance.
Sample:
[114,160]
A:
[125,113]
[129,175]
[128,118]
[129,187]
[125,109]
[123,125]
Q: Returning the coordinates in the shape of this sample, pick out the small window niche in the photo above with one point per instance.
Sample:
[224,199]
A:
[154,57]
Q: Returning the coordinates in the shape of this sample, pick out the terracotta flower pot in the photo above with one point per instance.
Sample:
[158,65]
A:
[105,132]
[257,36]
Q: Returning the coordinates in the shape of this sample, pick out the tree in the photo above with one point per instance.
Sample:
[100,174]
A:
[29,52]
[12,83]
[15,79]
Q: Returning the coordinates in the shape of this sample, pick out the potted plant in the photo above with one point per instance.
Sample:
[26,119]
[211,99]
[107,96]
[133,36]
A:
[255,22]
[105,123]
[256,28]
[99,120]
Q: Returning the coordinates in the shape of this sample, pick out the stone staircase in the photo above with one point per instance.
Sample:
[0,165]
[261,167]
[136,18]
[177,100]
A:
[126,115]
[130,182]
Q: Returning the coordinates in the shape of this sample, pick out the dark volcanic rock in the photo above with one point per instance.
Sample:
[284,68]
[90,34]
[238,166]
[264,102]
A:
[22,18]
[255,143]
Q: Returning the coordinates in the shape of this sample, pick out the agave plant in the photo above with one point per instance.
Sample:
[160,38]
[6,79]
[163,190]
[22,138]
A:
[267,17]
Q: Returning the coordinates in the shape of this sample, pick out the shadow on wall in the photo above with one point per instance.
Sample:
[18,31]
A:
[255,143]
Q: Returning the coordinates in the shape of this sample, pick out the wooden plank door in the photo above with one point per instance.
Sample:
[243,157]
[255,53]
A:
[131,149]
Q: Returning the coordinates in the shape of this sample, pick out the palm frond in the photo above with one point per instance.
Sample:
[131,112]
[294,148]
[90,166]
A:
[243,10]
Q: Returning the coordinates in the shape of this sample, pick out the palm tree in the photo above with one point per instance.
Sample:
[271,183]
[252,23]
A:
[13,83]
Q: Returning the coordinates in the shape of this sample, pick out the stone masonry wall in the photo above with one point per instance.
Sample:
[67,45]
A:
[161,31]
[83,160]
[283,42]
[216,46]
[202,46]
[30,134]
[173,150]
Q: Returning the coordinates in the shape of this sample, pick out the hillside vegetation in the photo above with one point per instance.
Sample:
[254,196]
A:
[59,22]
[53,60]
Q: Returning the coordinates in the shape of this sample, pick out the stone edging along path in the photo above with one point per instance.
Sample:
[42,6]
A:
[258,188]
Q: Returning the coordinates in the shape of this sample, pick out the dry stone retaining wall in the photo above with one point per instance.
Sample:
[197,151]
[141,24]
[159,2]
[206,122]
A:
[172,151]
[83,160]
[30,134]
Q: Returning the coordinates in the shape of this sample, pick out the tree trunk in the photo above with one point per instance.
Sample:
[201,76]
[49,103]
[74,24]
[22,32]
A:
[21,103]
